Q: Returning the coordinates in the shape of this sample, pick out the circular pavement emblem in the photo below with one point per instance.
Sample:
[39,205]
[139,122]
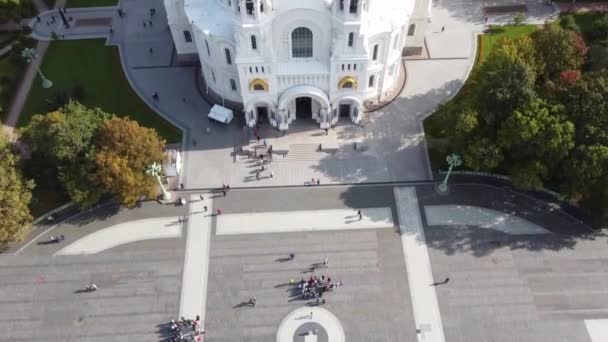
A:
[310,324]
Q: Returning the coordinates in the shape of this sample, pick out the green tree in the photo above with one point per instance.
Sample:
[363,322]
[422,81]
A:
[559,49]
[481,154]
[61,146]
[504,85]
[528,175]
[466,121]
[64,135]
[539,132]
[124,150]
[586,170]
[587,107]
[15,196]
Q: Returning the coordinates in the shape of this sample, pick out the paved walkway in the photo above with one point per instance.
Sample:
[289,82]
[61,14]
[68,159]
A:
[306,315]
[299,221]
[420,275]
[196,264]
[120,234]
[464,215]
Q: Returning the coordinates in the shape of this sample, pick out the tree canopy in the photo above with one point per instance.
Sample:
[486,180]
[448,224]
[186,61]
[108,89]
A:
[125,149]
[535,111]
[15,196]
[93,153]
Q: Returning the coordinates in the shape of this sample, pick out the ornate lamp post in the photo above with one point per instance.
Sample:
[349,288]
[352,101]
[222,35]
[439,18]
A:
[453,160]
[29,54]
[154,171]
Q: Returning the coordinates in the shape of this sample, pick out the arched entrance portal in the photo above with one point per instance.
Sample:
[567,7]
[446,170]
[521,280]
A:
[303,107]
[348,107]
[303,102]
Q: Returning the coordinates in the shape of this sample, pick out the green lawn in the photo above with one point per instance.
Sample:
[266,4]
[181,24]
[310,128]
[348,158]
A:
[12,73]
[487,41]
[90,3]
[97,69]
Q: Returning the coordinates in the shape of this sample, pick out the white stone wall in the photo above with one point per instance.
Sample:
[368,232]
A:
[178,23]
[377,22]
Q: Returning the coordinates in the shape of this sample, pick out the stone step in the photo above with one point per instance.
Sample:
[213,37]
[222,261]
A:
[303,152]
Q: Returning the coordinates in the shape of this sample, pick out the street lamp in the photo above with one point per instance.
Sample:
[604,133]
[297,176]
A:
[154,171]
[453,160]
[29,54]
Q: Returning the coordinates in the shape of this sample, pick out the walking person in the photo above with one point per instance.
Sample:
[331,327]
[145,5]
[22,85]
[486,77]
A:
[205,208]
[202,197]
[257,175]
[360,215]
[253,301]
[326,262]
[271,174]
[291,256]
[442,28]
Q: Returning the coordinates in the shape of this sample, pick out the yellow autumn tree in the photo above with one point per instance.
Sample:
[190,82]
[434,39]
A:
[124,150]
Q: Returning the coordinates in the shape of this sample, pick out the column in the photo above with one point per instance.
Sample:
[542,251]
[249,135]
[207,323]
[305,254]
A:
[282,118]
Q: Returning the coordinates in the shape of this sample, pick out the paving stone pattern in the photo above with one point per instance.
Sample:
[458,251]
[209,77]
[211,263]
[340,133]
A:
[518,294]
[138,289]
[373,305]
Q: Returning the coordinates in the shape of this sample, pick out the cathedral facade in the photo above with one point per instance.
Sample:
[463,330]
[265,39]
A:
[290,59]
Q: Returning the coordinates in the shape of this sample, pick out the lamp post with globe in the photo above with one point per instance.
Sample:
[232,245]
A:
[154,171]
[453,160]
[29,54]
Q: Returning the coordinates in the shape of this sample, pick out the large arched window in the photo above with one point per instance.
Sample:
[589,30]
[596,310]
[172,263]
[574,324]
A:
[354,4]
[301,43]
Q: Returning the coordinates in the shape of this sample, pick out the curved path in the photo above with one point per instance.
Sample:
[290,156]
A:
[464,215]
[120,234]
[320,316]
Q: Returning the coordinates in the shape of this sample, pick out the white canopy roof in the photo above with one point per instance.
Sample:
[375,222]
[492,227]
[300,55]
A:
[221,114]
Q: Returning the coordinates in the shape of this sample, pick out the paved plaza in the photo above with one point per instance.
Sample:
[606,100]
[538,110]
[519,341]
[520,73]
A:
[479,263]
[535,275]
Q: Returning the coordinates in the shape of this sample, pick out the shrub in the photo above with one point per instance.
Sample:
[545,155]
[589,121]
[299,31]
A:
[568,23]
[519,18]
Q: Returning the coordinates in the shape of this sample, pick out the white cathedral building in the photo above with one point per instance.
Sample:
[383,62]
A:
[290,59]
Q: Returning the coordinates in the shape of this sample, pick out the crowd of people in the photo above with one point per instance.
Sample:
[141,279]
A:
[187,330]
[314,287]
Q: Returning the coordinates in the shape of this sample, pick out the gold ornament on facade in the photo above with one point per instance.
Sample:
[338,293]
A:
[348,82]
[258,84]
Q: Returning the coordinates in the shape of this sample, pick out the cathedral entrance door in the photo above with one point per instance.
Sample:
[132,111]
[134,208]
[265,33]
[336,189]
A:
[303,107]
[345,109]
[262,114]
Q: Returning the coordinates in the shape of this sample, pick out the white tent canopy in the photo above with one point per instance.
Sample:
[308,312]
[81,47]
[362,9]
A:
[221,114]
